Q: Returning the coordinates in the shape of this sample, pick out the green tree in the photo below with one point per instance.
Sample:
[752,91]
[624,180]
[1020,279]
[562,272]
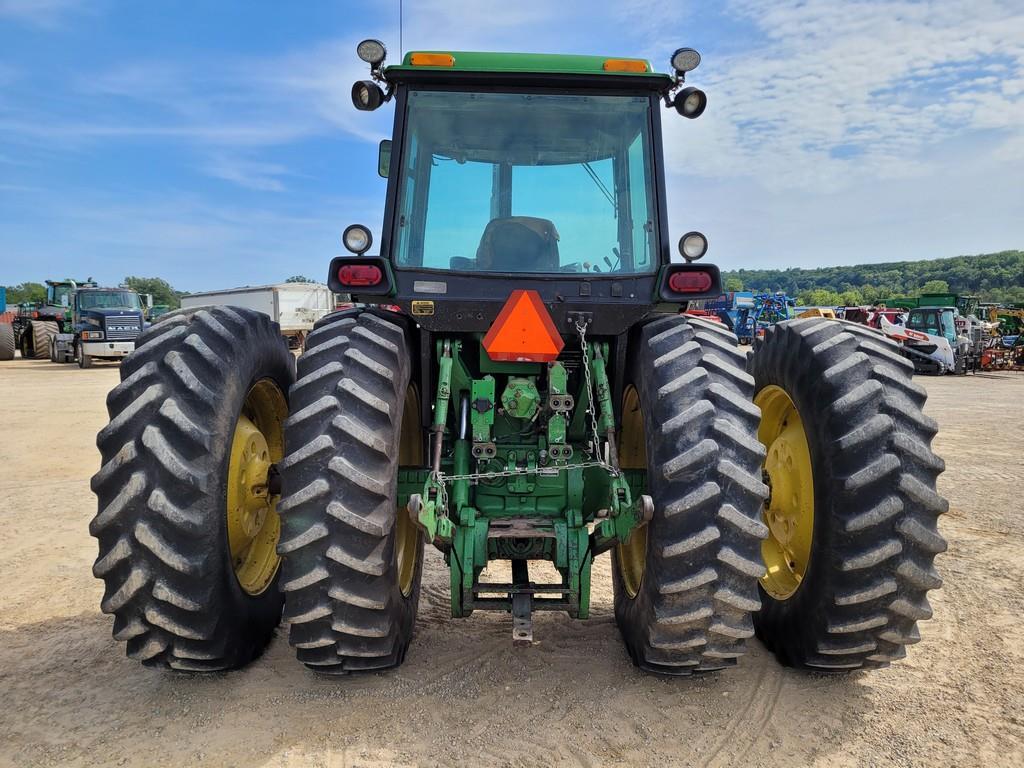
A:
[160,289]
[935,286]
[733,284]
[299,279]
[18,294]
[819,297]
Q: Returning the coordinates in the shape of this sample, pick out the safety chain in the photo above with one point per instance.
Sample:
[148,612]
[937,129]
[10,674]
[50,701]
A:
[551,471]
[581,329]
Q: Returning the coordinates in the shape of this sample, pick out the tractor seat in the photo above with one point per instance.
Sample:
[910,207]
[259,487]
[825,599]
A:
[518,244]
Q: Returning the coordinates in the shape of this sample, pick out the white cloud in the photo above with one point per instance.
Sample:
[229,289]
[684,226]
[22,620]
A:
[857,131]
[40,13]
[883,80]
[246,172]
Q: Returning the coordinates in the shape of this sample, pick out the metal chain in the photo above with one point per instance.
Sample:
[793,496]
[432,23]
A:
[542,471]
[581,329]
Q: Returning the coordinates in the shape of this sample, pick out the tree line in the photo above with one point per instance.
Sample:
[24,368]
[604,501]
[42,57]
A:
[997,277]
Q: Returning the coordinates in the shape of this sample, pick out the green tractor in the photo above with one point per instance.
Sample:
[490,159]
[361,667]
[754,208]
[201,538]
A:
[518,381]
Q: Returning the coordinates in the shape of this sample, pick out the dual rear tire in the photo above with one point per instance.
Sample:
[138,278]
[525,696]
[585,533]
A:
[199,503]
[831,561]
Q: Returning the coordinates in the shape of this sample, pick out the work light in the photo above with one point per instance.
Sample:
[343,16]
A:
[685,60]
[693,245]
[357,239]
[691,102]
[372,52]
[367,95]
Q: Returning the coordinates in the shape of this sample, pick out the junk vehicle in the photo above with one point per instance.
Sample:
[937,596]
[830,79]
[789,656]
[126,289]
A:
[538,397]
[295,307]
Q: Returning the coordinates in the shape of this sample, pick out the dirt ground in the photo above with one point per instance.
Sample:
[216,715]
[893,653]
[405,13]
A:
[465,696]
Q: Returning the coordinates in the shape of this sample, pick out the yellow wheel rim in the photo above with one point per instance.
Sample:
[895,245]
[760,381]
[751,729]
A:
[789,512]
[632,556]
[252,521]
[410,454]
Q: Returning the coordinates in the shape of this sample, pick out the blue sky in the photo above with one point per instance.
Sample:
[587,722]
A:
[214,143]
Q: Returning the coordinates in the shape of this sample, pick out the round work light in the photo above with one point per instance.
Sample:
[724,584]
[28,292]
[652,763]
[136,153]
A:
[693,245]
[357,239]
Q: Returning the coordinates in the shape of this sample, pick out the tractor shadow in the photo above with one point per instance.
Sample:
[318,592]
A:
[465,695]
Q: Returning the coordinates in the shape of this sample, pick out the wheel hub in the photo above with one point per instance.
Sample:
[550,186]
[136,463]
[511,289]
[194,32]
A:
[789,510]
[251,508]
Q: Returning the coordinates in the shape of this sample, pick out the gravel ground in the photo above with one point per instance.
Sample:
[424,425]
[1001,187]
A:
[465,696]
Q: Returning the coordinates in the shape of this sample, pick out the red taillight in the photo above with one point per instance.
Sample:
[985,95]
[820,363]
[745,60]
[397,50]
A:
[357,275]
[690,282]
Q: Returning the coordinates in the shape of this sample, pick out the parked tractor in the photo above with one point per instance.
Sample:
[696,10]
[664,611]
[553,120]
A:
[35,324]
[536,397]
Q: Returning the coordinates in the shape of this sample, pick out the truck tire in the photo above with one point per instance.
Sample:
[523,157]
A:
[83,360]
[352,559]
[42,332]
[686,584]
[6,341]
[187,534]
[853,508]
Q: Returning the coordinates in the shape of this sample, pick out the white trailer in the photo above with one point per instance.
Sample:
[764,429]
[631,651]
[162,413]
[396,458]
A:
[293,306]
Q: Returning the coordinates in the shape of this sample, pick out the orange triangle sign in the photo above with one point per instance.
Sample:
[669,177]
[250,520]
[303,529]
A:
[523,331]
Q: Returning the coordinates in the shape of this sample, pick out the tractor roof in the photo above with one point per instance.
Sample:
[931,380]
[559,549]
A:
[420,65]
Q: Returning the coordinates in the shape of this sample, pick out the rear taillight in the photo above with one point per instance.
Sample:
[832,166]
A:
[690,282]
[359,275]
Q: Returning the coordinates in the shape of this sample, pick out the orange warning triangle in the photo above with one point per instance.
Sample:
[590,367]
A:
[523,331]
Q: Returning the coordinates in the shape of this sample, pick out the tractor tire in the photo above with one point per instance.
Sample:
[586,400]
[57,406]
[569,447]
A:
[42,332]
[352,559]
[6,341]
[195,383]
[874,506]
[685,586]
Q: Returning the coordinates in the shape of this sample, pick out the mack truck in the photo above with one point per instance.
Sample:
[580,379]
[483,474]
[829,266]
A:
[518,383]
[81,322]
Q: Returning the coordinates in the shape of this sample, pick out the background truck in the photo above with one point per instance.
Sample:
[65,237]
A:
[293,306]
[99,323]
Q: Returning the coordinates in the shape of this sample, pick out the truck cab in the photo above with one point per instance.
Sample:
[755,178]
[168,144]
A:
[104,323]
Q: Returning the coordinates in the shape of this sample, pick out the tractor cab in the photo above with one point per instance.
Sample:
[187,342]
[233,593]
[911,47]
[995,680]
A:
[539,171]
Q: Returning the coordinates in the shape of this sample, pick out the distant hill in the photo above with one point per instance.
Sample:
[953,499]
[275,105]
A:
[992,276]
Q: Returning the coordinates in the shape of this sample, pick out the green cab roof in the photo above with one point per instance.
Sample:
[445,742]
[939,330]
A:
[526,63]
